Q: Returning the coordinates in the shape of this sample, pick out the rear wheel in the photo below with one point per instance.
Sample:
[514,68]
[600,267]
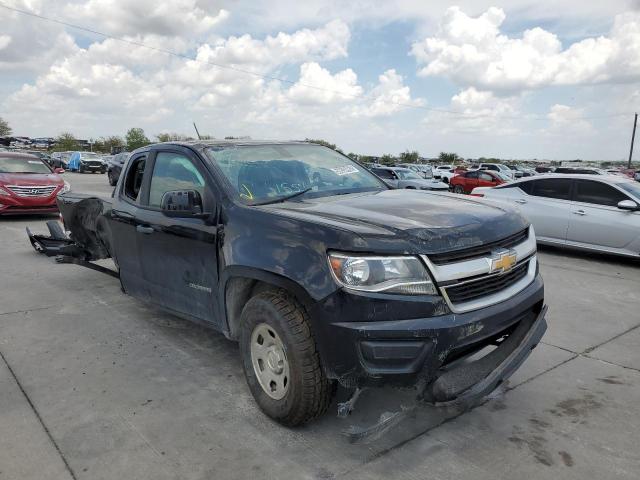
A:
[280,359]
[458,189]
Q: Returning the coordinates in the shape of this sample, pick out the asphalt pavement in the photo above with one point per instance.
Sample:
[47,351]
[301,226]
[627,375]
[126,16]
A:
[96,385]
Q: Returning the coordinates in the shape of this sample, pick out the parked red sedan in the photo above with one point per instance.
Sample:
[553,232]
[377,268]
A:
[467,181]
[28,185]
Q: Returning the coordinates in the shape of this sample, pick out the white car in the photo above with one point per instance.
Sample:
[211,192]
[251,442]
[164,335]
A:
[498,167]
[589,212]
[444,173]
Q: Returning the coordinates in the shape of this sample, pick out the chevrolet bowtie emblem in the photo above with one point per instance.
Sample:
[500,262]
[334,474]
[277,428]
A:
[503,261]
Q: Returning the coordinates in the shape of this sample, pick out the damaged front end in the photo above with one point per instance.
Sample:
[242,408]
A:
[89,235]
[464,382]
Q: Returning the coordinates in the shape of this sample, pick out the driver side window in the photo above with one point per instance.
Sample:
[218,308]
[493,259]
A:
[133,182]
[173,171]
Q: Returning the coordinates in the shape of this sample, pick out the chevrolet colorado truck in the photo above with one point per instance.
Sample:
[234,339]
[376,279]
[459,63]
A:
[320,271]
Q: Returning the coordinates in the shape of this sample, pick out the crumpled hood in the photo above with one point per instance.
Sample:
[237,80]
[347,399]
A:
[434,222]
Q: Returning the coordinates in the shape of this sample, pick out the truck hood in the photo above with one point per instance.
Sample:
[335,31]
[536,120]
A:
[432,222]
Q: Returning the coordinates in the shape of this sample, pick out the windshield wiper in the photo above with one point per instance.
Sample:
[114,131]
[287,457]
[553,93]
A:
[281,199]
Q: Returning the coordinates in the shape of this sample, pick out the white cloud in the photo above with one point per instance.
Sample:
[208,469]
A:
[391,95]
[5,40]
[343,86]
[325,43]
[567,120]
[140,17]
[472,52]
[27,45]
[478,111]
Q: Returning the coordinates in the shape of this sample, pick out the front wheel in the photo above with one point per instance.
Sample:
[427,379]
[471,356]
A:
[281,361]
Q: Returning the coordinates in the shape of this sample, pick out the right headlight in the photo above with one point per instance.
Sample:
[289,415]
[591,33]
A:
[400,275]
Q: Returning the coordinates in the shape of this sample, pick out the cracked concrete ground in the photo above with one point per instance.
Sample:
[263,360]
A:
[96,385]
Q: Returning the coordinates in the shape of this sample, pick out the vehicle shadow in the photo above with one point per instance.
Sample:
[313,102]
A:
[590,256]
[220,357]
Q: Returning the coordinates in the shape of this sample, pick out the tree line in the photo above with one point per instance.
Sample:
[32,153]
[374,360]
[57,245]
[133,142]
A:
[136,138]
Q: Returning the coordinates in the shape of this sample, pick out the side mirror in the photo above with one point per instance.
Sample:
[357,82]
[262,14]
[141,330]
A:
[58,170]
[182,203]
[628,205]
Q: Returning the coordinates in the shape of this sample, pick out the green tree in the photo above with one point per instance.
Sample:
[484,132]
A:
[319,141]
[387,159]
[113,142]
[109,144]
[66,141]
[136,138]
[448,157]
[172,137]
[5,129]
[409,157]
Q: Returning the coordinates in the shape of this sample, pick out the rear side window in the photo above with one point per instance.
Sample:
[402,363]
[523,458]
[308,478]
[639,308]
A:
[173,171]
[133,182]
[383,173]
[551,188]
[589,191]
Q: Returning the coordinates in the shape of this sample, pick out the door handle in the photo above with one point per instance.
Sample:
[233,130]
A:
[144,229]
[521,201]
[580,212]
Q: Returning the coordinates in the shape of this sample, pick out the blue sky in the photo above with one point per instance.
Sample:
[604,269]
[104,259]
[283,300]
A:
[521,79]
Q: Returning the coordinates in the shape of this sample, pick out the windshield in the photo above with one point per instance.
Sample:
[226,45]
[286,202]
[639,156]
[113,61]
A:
[89,155]
[502,176]
[406,174]
[262,172]
[632,187]
[22,165]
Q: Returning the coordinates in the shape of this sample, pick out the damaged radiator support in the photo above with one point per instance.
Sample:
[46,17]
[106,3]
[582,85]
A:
[464,386]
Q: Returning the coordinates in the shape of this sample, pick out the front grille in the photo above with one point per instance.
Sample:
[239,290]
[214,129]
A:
[479,251]
[32,190]
[488,285]
[93,163]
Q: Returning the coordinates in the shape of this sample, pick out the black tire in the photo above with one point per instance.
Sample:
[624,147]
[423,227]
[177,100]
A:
[80,169]
[112,181]
[458,189]
[309,392]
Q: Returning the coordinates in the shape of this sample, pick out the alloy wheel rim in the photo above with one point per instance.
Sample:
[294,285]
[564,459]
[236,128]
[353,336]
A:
[269,361]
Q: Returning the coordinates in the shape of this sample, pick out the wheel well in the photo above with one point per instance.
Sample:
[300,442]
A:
[237,293]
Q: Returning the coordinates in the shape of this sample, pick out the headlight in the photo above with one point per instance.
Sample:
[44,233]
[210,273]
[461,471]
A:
[400,275]
[66,187]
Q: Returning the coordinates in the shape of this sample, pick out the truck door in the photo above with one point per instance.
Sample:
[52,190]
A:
[178,256]
[123,227]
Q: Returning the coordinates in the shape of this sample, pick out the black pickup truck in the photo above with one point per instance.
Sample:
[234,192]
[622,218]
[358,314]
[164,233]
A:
[321,271]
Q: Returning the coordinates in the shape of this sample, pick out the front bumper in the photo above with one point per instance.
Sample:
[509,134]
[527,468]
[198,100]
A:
[401,341]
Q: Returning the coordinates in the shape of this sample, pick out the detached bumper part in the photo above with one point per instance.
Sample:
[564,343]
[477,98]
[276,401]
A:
[466,384]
